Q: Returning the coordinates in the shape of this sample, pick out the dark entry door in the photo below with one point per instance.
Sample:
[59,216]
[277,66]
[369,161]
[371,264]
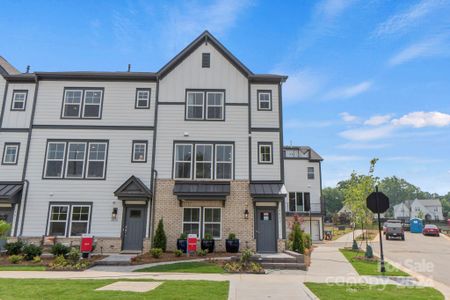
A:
[266,239]
[134,230]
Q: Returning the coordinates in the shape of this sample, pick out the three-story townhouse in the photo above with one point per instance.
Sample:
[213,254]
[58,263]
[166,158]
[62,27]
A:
[197,144]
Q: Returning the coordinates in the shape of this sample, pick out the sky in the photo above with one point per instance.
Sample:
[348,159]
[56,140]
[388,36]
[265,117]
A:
[367,78]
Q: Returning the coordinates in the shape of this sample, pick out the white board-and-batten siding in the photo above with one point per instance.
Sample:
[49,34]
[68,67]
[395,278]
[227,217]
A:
[100,192]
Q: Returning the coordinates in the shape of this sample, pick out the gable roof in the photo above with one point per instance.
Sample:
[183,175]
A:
[311,154]
[6,68]
[133,188]
[430,202]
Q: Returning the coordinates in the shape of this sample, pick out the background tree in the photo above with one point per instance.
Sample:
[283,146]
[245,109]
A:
[333,198]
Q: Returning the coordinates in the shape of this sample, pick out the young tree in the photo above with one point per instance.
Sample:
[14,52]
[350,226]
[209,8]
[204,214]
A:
[160,239]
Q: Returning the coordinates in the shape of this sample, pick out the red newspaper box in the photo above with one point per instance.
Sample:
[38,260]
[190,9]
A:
[87,242]
[191,243]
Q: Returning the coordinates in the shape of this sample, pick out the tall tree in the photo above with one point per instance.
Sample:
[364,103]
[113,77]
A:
[333,198]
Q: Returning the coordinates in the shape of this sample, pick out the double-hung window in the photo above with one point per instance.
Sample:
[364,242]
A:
[265,153]
[183,161]
[191,221]
[142,98]
[195,102]
[83,103]
[69,219]
[224,161]
[79,223]
[58,219]
[19,99]
[96,161]
[10,153]
[55,159]
[310,172]
[139,151]
[264,100]
[212,222]
[203,161]
[75,160]
[205,105]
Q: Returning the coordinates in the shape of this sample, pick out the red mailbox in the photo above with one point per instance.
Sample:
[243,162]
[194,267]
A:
[87,243]
[191,243]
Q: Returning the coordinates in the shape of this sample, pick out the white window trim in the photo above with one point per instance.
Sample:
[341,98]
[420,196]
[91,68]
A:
[147,98]
[53,159]
[83,102]
[308,173]
[204,222]
[69,159]
[50,218]
[183,161]
[134,151]
[296,199]
[89,159]
[14,100]
[216,161]
[211,162]
[268,101]
[260,156]
[69,233]
[214,105]
[195,105]
[16,154]
[65,103]
[199,220]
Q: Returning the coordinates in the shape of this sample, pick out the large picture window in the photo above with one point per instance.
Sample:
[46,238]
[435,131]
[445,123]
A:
[191,221]
[205,105]
[76,159]
[209,161]
[299,202]
[82,103]
[69,219]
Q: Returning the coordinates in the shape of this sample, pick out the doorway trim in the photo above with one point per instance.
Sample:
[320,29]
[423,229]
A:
[125,208]
[256,217]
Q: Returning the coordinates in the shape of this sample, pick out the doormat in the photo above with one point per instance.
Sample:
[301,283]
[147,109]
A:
[131,286]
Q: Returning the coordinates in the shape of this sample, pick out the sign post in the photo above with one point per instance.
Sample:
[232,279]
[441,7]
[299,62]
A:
[378,203]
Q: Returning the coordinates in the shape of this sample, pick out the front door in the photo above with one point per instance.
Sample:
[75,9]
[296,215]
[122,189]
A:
[266,221]
[134,228]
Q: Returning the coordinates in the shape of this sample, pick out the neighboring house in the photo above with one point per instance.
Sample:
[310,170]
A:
[197,144]
[303,180]
[427,209]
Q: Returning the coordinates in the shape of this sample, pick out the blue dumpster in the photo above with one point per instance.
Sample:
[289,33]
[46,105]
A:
[416,225]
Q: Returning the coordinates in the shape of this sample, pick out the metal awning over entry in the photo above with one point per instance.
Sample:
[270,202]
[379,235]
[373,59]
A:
[202,191]
[10,192]
[133,189]
[267,191]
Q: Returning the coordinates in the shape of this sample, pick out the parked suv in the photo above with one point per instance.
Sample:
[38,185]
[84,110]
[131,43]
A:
[395,230]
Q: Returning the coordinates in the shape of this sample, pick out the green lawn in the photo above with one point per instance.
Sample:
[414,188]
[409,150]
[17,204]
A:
[22,268]
[369,267]
[85,289]
[325,291]
[186,267]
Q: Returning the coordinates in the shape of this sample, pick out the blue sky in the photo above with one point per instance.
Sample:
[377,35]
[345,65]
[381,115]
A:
[366,78]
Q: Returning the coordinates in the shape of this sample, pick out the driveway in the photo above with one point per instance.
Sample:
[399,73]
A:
[426,255]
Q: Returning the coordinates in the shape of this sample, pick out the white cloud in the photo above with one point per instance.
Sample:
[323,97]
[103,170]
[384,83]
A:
[302,85]
[400,22]
[378,120]
[349,91]
[426,48]
[330,9]
[349,118]
[367,134]
[421,119]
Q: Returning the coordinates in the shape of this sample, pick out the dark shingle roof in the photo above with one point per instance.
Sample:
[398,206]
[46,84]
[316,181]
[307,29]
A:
[267,190]
[311,153]
[201,189]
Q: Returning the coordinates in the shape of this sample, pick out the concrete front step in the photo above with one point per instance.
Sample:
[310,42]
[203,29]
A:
[284,266]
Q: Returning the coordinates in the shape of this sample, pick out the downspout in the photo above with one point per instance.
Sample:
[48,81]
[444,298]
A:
[21,205]
[152,206]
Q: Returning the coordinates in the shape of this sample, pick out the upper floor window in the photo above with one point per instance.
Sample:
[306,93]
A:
[205,164]
[265,153]
[299,202]
[19,99]
[82,103]
[310,172]
[142,98]
[139,151]
[10,153]
[83,160]
[206,60]
[198,109]
[264,100]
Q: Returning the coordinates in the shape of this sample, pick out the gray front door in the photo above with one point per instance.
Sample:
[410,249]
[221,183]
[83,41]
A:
[266,224]
[134,229]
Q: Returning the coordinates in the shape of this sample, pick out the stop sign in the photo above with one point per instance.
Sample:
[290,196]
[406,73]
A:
[377,202]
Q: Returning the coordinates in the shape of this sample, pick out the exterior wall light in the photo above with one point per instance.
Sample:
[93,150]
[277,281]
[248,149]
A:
[114,213]
[246,214]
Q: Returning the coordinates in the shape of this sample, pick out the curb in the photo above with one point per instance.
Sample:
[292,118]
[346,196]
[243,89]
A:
[308,292]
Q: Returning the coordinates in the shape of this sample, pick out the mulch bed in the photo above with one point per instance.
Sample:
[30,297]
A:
[146,258]
[45,261]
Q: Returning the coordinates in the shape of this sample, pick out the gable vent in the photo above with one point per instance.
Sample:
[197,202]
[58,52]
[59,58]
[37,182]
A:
[206,60]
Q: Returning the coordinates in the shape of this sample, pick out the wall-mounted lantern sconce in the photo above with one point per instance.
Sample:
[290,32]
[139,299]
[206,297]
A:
[114,213]
[246,214]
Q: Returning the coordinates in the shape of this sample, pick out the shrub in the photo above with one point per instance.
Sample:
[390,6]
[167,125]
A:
[37,259]
[156,252]
[178,253]
[15,259]
[231,236]
[201,252]
[255,268]
[14,248]
[183,236]
[232,267]
[4,228]
[30,251]
[73,257]
[59,249]
[245,256]
[160,239]
[208,237]
[297,243]
[307,241]
[59,263]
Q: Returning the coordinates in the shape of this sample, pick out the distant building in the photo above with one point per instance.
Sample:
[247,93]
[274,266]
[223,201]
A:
[428,209]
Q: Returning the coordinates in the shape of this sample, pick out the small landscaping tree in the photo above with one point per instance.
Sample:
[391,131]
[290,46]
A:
[160,239]
[4,228]
[297,243]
